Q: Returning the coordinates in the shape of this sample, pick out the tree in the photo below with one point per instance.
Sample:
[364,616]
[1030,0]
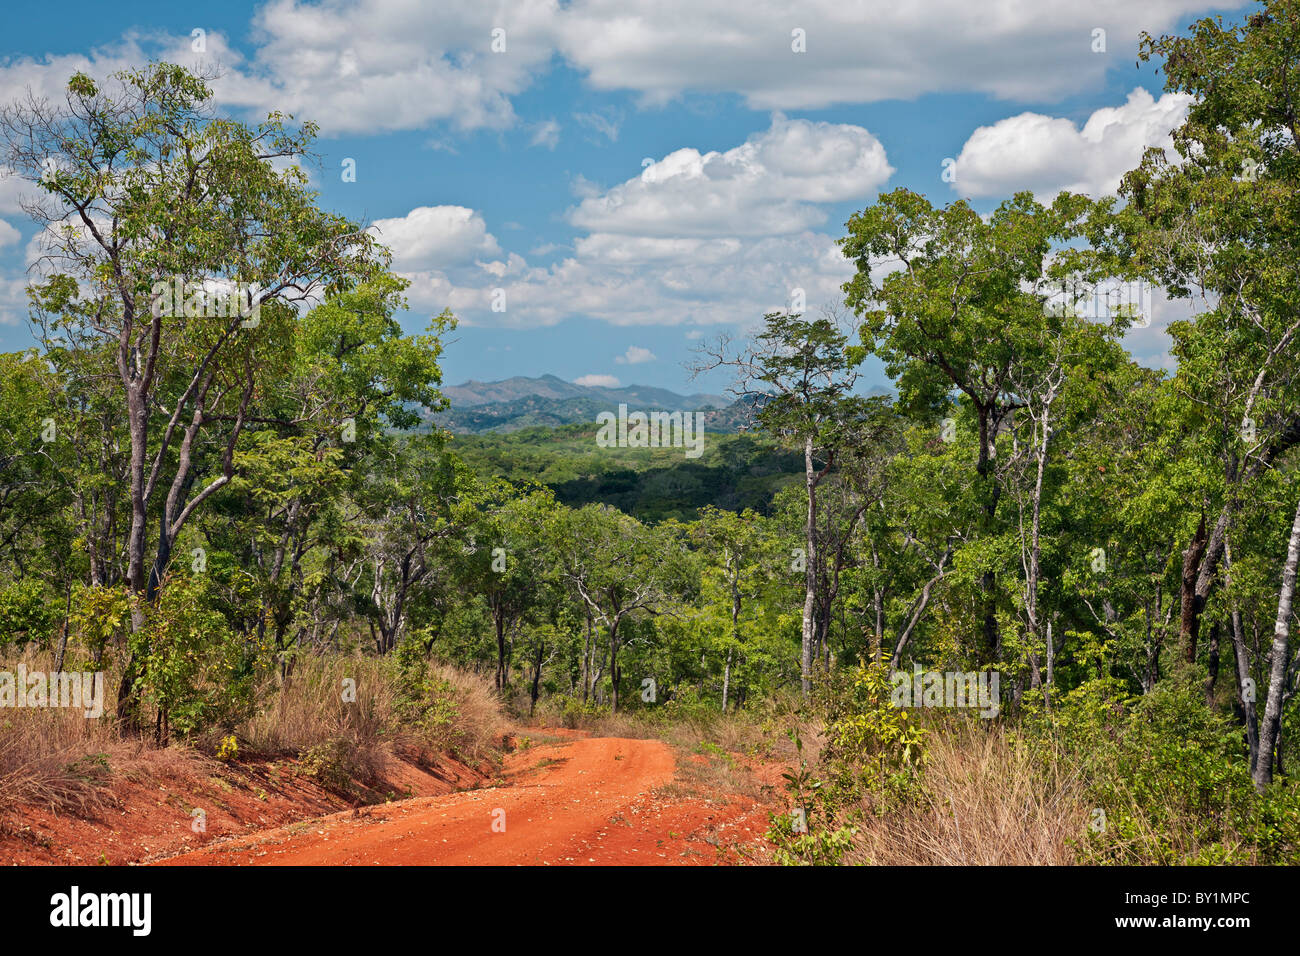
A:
[800,373]
[175,253]
[950,300]
[620,569]
[1219,226]
[734,545]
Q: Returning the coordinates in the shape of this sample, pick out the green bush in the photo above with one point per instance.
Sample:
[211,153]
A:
[1169,775]
[25,613]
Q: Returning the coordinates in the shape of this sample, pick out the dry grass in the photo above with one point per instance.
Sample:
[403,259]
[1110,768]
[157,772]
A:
[477,723]
[986,802]
[344,740]
[55,756]
[307,716]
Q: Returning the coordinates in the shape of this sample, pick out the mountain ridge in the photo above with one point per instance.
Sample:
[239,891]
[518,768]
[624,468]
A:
[522,402]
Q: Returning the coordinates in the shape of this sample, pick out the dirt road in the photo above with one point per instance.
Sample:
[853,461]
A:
[580,802]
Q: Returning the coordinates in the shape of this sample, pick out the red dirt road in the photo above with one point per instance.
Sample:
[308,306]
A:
[583,802]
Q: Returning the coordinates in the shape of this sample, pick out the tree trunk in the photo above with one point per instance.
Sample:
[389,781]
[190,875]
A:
[537,680]
[988,580]
[810,571]
[1190,610]
[128,696]
[498,619]
[587,653]
[613,667]
[1277,673]
[726,680]
[1213,663]
[1246,700]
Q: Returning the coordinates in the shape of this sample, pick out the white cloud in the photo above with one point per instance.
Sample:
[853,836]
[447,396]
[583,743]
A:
[13,300]
[856,52]
[732,282]
[8,234]
[546,133]
[657,259]
[635,355]
[769,185]
[368,66]
[1046,154]
[13,190]
[435,237]
[597,381]
[352,66]
[379,65]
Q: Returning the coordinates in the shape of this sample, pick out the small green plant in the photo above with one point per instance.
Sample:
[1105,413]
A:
[808,834]
[874,749]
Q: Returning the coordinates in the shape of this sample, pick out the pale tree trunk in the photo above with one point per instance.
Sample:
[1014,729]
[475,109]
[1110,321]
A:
[810,571]
[1247,699]
[587,654]
[878,605]
[734,571]
[1272,725]
[726,680]
[1033,568]
[988,580]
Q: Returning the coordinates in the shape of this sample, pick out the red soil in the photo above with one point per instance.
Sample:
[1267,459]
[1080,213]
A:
[149,811]
[582,802]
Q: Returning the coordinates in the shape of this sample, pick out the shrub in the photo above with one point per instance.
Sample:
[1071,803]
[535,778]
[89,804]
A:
[1169,777]
[26,615]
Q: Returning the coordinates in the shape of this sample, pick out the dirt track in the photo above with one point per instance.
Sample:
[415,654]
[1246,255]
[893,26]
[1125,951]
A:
[581,802]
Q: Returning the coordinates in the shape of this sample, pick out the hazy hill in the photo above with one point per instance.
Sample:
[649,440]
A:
[521,402]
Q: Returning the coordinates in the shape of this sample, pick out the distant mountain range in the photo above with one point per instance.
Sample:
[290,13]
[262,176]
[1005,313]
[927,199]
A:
[521,402]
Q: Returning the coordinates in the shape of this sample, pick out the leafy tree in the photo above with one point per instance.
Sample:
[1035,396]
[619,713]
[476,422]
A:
[801,373]
[144,190]
[951,300]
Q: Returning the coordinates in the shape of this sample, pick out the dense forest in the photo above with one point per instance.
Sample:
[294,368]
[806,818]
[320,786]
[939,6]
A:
[199,504]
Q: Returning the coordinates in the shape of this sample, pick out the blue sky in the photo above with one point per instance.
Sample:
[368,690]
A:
[521,172]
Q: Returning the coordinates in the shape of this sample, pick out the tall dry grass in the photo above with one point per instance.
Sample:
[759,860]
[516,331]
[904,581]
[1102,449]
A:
[59,758]
[986,802]
[352,736]
[56,756]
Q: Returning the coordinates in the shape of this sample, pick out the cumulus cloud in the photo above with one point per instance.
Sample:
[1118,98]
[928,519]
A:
[432,237]
[770,185]
[369,66]
[758,277]
[352,66]
[1046,154]
[855,53]
[8,234]
[382,65]
[656,259]
[597,381]
[635,355]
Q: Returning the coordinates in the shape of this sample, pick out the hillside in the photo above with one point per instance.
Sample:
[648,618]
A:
[520,402]
[735,471]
